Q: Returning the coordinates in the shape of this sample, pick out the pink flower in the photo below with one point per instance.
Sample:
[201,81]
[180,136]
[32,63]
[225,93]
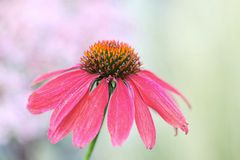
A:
[108,78]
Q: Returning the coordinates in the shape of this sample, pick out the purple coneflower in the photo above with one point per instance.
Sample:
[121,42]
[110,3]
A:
[108,80]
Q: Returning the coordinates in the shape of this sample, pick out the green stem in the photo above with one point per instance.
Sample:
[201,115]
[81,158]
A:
[91,148]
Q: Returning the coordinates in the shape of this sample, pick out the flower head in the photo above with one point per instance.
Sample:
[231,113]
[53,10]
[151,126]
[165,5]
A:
[108,78]
[111,58]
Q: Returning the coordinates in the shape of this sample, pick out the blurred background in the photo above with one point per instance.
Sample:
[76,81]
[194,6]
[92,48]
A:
[194,45]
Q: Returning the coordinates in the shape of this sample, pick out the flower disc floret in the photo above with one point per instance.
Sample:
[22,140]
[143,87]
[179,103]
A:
[111,58]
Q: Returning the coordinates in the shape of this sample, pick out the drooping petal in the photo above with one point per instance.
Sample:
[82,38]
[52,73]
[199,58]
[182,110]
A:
[67,123]
[52,74]
[120,113]
[156,97]
[71,99]
[164,85]
[143,120]
[47,96]
[91,115]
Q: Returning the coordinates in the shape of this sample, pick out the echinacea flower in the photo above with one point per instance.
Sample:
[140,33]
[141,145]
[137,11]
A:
[108,80]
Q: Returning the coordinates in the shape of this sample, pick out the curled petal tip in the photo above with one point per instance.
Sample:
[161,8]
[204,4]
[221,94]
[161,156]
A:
[185,100]
[176,132]
[149,147]
[185,128]
[188,104]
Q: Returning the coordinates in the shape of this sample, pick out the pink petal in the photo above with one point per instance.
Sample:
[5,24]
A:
[144,120]
[164,85]
[52,74]
[71,99]
[156,97]
[67,123]
[120,113]
[47,96]
[91,115]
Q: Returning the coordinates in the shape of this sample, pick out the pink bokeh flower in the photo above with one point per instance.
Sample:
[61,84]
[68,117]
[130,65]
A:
[108,80]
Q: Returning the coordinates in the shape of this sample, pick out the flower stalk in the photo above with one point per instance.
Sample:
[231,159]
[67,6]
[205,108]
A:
[91,148]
